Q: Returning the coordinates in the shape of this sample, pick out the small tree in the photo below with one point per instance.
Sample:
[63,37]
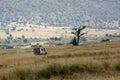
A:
[78,34]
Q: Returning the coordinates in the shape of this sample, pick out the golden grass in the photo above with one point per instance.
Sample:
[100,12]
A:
[106,53]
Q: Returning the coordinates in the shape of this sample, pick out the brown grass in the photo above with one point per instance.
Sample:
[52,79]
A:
[105,56]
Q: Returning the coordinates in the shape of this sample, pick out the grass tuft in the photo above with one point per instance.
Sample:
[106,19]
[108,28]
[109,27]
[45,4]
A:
[117,66]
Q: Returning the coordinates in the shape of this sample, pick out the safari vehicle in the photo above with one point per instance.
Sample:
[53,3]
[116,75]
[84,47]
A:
[39,50]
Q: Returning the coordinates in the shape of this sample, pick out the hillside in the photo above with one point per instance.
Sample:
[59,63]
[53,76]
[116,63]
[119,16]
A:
[94,13]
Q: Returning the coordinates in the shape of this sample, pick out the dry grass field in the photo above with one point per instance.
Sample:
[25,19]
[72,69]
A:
[89,61]
[38,31]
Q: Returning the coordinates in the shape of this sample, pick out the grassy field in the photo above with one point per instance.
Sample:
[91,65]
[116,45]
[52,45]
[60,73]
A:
[90,61]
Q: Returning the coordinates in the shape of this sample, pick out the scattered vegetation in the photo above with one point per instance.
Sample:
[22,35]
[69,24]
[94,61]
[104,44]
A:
[61,13]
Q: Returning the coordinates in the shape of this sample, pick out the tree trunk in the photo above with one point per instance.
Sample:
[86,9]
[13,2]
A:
[77,39]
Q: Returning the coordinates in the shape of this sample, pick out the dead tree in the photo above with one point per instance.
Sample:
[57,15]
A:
[78,34]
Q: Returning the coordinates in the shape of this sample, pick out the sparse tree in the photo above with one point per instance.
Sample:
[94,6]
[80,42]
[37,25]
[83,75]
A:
[78,34]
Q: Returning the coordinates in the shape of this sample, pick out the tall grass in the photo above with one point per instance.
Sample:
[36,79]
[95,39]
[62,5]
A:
[61,70]
[60,62]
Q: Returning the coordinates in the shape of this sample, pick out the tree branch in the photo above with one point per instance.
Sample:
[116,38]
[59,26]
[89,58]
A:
[83,27]
[73,33]
[83,33]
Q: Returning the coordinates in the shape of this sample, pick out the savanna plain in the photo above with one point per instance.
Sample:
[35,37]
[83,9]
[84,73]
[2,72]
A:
[89,61]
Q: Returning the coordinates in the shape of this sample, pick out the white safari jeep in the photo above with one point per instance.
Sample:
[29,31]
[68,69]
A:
[39,51]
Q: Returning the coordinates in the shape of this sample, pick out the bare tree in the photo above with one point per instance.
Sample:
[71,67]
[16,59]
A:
[78,34]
